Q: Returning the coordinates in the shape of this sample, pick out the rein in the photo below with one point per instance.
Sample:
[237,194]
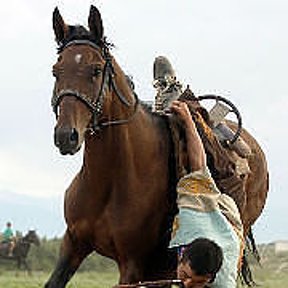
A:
[96,105]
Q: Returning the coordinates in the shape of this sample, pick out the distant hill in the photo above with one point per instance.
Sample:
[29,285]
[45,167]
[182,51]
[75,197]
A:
[46,216]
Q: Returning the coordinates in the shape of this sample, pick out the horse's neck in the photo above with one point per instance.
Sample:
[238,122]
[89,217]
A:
[117,141]
[113,106]
[119,148]
[25,240]
[124,152]
[23,244]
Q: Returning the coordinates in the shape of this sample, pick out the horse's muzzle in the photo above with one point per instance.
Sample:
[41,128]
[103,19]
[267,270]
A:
[66,140]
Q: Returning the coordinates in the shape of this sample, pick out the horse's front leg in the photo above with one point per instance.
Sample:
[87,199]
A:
[26,266]
[131,271]
[19,262]
[72,253]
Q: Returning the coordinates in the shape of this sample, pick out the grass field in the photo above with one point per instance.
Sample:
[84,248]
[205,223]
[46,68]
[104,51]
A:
[272,274]
[9,279]
[270,279]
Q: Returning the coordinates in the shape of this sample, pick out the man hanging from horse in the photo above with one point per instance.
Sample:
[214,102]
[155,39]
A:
[205,214]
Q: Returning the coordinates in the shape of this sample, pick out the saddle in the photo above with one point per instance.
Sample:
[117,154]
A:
[4,248]
[229,169]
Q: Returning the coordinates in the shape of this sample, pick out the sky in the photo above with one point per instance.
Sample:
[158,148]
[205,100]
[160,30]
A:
[237,49]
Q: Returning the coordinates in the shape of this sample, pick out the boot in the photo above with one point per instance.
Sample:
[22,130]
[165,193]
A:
[168,88]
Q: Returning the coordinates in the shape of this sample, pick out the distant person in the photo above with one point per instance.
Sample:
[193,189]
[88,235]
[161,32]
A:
[8,238]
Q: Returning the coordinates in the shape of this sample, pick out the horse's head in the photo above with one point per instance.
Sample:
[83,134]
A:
[78,74]
[32,237]
[85,73]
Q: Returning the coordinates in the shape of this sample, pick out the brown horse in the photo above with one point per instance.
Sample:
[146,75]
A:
[122,202]
[21,249]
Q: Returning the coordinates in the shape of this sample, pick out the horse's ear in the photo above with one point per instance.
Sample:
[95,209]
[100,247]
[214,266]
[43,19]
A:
[59,26]
[95,24]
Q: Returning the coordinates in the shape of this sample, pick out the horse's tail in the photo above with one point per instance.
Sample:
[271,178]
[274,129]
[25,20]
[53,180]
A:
[251,247]
[246,273]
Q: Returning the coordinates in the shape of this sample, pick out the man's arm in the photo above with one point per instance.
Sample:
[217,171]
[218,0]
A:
[195,148]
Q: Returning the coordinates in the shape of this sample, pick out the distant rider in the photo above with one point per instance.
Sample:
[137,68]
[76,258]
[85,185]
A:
[8,238]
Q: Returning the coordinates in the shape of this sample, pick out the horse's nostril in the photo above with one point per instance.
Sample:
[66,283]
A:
[66,139]
[56,138]
[74,135]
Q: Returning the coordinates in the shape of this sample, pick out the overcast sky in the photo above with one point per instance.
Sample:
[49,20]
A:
[234,48]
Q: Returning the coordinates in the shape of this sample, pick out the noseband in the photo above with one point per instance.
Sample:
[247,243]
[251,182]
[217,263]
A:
[96,105]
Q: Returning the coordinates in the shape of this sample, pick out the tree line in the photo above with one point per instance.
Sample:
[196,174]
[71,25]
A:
[44,258]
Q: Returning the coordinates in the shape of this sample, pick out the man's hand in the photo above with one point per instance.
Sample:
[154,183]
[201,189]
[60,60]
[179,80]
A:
[182,110]
[195,149]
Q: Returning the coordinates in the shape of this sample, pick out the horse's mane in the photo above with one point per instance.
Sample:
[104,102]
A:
[147,108]
[79,32]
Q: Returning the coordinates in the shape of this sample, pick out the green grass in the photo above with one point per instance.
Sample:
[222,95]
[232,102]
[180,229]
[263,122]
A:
[12,279]
[268,279]
[272,274]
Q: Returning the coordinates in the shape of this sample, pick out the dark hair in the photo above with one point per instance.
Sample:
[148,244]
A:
[203,256]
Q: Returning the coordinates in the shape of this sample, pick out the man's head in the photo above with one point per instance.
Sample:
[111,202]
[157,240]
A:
[8,224]
[200,262]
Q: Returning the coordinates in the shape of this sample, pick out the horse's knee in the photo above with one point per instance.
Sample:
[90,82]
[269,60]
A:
[130,272]
[53,284]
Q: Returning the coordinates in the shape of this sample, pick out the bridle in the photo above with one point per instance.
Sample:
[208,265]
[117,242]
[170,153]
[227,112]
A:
[96,105]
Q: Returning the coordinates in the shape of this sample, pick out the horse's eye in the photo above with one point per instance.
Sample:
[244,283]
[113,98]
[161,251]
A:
[96,71]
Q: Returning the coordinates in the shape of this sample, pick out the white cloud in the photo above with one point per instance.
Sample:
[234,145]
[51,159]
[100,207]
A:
[22,175]
[18,20]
